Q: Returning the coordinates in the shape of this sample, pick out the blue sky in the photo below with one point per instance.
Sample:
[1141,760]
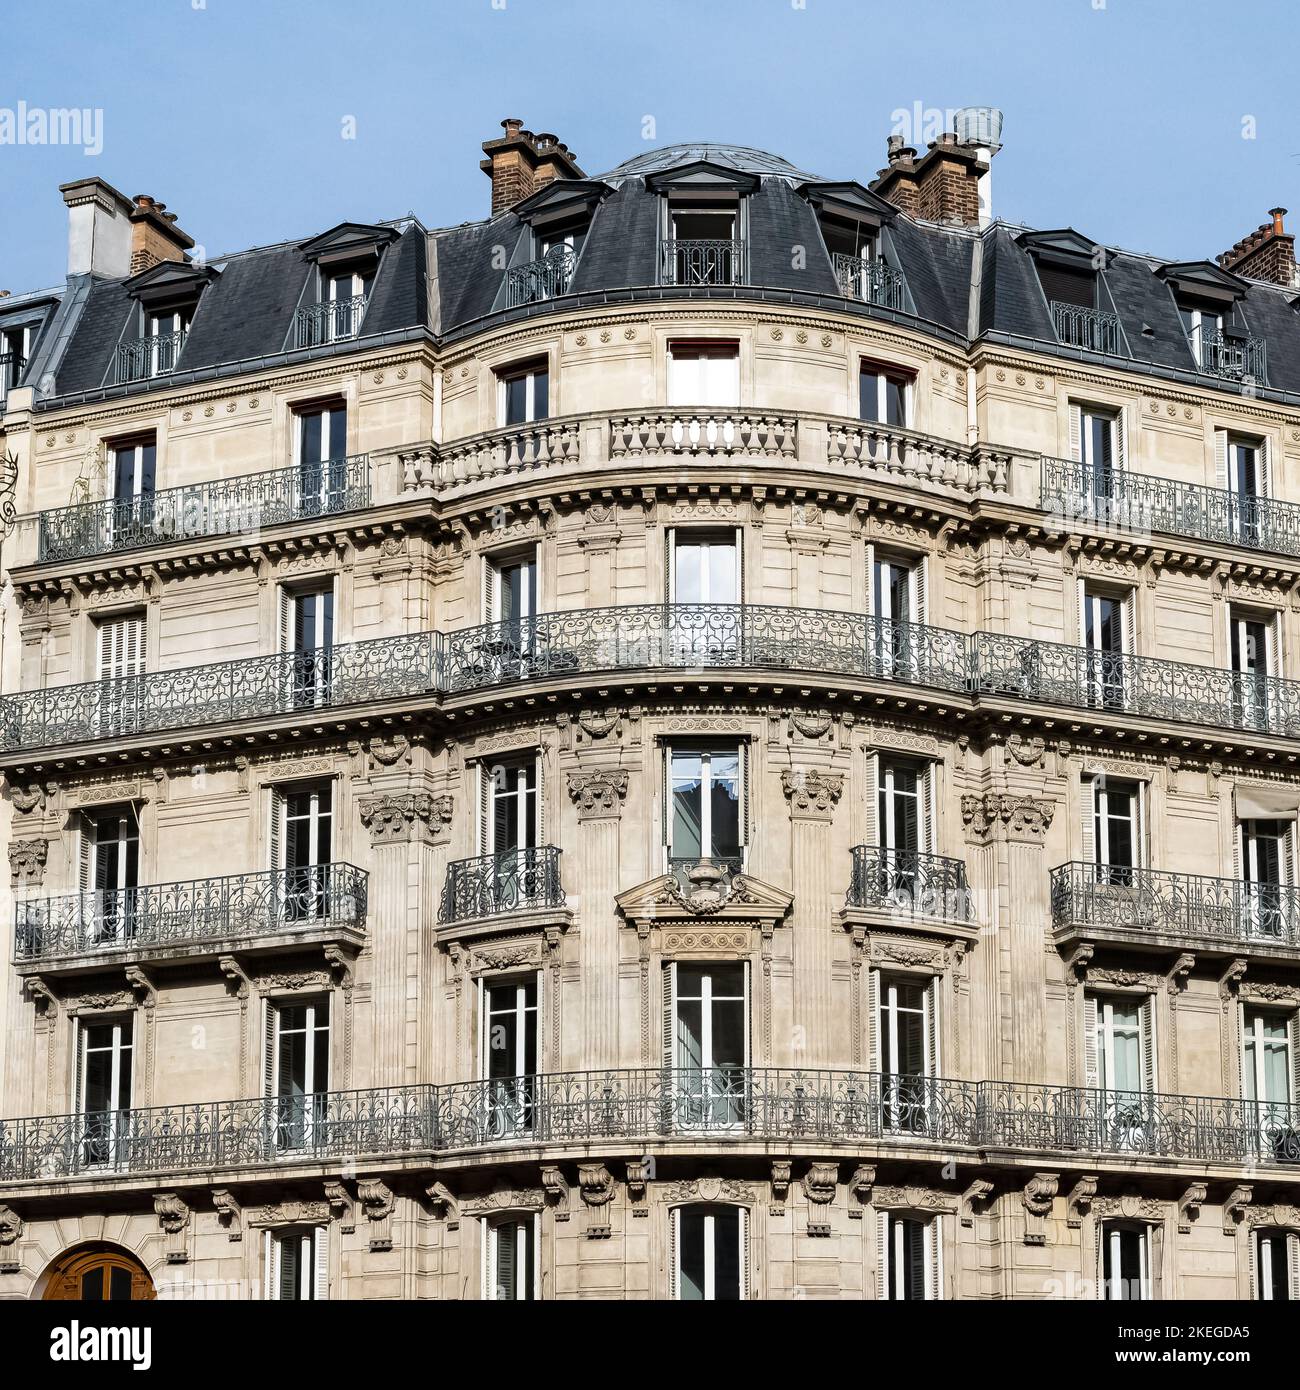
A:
[1124,118]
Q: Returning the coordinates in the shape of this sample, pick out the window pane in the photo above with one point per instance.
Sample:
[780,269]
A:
[516,400]
[895,401]
[690,1241]
[869,396]
[541,395]
[686,829]
[726,1254]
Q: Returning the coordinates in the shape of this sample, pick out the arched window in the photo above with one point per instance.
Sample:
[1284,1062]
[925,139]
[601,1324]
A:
[99,1273]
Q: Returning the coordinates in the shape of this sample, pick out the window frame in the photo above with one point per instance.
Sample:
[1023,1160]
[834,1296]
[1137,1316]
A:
[706,753]
[709,1212]
[886,374]
[530,372]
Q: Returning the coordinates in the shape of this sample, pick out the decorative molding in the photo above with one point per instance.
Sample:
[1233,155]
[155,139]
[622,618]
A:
[377,1202]
[174,1220]
[598,794]
[812,793]
[781,1171]
[1037,1199]
[708,1189]
[1023,818]
[342,1208]
[27,863]
[596,1186]
[443,1203]
[1028,752]
[1189,1205]
[1234,1207]
[11,1230]
[913,1198]
[978,1192]
[1080,1200]
[860,1185]
[556,1188]
[819,1184]
[395,819]
[27,799]
[229,1213]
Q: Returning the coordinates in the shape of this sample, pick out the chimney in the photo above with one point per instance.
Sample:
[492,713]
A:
[942,186]
[519,163]
[155,236]
[99,232]
[1268,253]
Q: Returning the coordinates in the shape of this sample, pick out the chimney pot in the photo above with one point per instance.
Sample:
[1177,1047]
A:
[1277,214]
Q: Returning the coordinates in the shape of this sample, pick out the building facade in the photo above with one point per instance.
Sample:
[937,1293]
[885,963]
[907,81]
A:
[719,734]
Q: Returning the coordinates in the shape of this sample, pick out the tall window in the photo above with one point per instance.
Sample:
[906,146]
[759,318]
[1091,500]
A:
[110,872]
[510,602]
[710,1253]
[907,1050]
[510,1259]
[704,805]
[908,1257]
[104,1087]
[706,1041]
[1276,1271]
[1265,870]
[134,478]
[1099,446]
[1254,648]
[1267,1063]
[525,393]
[165,335]
[1113,833]
[884,395]
[119,666]
[1119,1045]
[322,458]
[1106,635]
[301,844]
[297,1068]
[510,832]
[897,598]
[703,247]
[1126,1261]
[1203,328]
[508,1047]
[704,374]
[344,292]
[705,566]
[296,1266]
[1241,469]
[307,636]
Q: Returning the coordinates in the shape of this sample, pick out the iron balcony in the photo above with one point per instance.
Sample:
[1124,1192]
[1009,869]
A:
[331,321]
[695,262]
[907,883]
[719,1106]
[227,506]
[180,915]
[1231,358]
[1138,503]
[647,637]
[1092,329]
[871,282]
[146,357]
[548,277]
[1149,902]
[491,885]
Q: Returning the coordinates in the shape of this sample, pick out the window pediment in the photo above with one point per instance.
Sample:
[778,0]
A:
[1203,280]
[348,241]
[702,177]
[1063,247]
[695,899]
[170,282]
[848,200]
[562,200]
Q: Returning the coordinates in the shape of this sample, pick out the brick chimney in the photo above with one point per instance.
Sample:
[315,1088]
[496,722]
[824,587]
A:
[519,163]
[155,236]
[1268,253]
[942,186]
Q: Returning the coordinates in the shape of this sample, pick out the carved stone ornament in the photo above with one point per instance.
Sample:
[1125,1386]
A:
[977,1193]
[1017,817]
[392,819]
[813,726]
[812,793]
[1234,1207]
[27,863]
[861,1182]
[174,1220]
[386,752]
[705,888]
[598,794]
[1080,1200]
[1028,752]
[444,1204]
[290,1213]
[11,1226]
[1189,1205]
[342,1207]
[377,1202]
[556,1188]
[1130,1206]
[708,1189]
[819,1184]
[1037,1198]
[228,1212]
[911,1199]
[596,1184]
[781,1170]
[27,799]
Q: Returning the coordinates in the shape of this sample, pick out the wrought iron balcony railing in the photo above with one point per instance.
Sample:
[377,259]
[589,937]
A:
[718,1106]
[223,507]
[690,262]
[190,913]
[332,321]
[1233,359]
[1093,329]
[1136,900]
[910,884]
[514,880]
[1138,502]
[147,357]
[545,278]
[1148,687]
[872,282]
[11,371]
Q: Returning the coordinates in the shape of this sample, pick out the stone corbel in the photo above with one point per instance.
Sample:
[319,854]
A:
[638,1176]
[342,1208]
[819,1184]
[443,1204]
[1234,1207]
[1181,969]
[978,1192]
[387,752]
[1079,1202]
[237,982]
[596,1184]
[556,1188]
[1189,1206]
[1229,981]
[1076,963]
[860,1185]
[229,1213]
[340,963]
[781,1170]
[174,1219]
[1037,1198]
[42,996]
[11,1230]
[377,1201]
[143,986]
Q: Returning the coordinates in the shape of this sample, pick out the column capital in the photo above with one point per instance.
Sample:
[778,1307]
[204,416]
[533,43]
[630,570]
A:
[598,794]
[1022,818]
[812,793]
[397,818]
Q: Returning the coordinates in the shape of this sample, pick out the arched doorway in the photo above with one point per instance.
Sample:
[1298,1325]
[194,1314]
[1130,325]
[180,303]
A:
[99,1273]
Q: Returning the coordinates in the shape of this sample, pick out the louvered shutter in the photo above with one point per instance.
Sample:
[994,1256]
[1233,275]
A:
[1264,474]
[484,798]
[670,573]
[79,1064]
[744,1253]
[505,1265]
[670,1018]
[1091,1061]
[873,1020]
[882,1254]
[486,1291]
[85,852]
[276,836]
[1140,856]
[1255,1258]
[739,544]
[270,1069]
[744,795]
[1293,1265]
[1128,623]
[539,800]
[1293,1055]
[321,1273]
[666,792]
[1088,819]
[929,801]
[1153,1259]
[1099,1237]
[1146,1015]
[919,590]
[491,592]
[284,620]
[1275,645]
[1221,458]
[1121,441]
[871,808]
[934,1051]
[916,1234]
[674,1238]
[1241,1050]
[1076,431]
[871,579]
[1081,608]
[934,1258]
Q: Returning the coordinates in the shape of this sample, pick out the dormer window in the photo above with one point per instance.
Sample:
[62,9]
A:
[1211,312]
[556,221]
[851,219]
[15,349]
[702,224]
[346,261]
[1069,270]
[168,296]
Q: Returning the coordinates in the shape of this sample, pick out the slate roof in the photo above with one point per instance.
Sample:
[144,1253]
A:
[446,283]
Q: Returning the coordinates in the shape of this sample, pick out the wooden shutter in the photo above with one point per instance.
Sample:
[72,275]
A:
[917,1233]
[79,1063]
[873,1020]
[85,852]
[484,798]
[539,800]
[1121,441]
[871,793]
[1293,1265]
[918,590]
[486,1289]
[1140,856]
[882,1254]
[931,998]
[1091,1061]
[871,579]
[926,792]
[1076,431]
[321,1272]
[670,562]
[744,794]
[1275,645]
[1241,1050]
[284,619]
[670,1016]
[1293,1055]
[1147,1016]
[1081,608]
[269,1067]
[739,544]
[505,1264]
[1264,473]
[1088,818]
[1221,458]
[1128,621]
